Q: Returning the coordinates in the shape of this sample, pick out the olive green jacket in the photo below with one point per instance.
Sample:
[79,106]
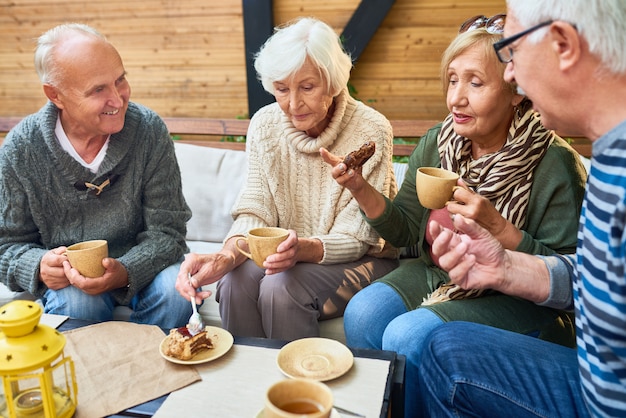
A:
[551,227]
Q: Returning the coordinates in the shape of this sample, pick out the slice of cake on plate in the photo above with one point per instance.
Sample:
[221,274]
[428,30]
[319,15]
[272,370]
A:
[181,344]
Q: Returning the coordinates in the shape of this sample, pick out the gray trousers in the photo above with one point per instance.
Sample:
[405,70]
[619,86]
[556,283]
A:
[288,305]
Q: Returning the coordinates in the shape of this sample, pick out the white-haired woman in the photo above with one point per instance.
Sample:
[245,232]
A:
[331,252]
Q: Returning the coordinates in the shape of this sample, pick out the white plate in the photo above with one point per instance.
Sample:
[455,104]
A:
[333,414]
[314,358]
[222,342]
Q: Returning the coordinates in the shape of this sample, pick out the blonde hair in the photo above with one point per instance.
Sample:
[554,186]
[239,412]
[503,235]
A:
[466,40]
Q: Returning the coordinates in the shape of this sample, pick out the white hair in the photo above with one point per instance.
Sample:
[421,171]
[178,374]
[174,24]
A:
[286,51]
[600,22]
[45,65]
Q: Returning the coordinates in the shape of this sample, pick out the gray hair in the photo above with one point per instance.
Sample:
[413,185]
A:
[45,65]
[601,23]
[286,51]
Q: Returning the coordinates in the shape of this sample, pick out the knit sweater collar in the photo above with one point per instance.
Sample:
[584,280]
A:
[116,151]
[345,107]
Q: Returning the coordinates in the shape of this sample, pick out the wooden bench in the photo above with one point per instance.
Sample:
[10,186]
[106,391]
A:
[210,132]
[188,127]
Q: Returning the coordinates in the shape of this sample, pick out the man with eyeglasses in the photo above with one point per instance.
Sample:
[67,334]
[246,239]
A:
[569,58]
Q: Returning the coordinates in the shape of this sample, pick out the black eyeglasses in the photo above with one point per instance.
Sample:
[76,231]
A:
[493,24]
[505,55]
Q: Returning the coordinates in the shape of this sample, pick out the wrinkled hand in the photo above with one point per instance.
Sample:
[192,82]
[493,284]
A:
[350,179]
[473,206]
[473,258]
[478,208]
[51,271]
[286,256]
[370,200]
[115,276]
[204,269]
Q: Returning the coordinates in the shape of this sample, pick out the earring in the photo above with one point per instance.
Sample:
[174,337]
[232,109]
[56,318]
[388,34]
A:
[523,107]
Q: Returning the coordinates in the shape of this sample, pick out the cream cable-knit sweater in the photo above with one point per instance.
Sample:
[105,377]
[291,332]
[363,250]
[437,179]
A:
[290,186]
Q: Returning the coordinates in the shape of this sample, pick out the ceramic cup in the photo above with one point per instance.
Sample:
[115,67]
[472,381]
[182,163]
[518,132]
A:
[434,186]
[262,243]
[298,398]
[87,256]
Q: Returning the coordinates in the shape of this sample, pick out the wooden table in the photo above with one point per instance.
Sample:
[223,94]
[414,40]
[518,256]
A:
[392,398]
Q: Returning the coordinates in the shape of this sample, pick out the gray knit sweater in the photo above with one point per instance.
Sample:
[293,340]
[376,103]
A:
[290,186]
[142,214]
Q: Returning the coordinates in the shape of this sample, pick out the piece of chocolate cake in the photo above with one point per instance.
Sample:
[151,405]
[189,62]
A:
[357,158]
[182,345]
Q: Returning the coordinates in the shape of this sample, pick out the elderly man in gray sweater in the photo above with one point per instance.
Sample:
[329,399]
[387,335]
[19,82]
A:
[92,165]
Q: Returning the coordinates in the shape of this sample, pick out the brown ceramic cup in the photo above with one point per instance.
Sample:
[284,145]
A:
[434,186]
[87,256]
[262,243]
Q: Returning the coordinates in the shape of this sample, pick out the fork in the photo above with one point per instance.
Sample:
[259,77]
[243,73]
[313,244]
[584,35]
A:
[195,324]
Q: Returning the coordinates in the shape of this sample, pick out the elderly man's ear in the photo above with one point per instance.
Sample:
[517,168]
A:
[52,95]
[565,42]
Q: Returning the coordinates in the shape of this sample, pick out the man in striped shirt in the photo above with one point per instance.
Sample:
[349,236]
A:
[569,57]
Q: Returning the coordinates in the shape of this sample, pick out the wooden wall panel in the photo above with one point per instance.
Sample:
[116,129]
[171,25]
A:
[186,57]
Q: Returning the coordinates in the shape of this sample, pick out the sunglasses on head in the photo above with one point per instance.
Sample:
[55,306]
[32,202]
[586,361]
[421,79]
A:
[493,24]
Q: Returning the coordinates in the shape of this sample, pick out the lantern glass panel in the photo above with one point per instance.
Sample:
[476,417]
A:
[49,393]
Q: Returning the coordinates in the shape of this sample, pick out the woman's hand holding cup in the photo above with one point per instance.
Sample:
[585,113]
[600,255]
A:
[262,242]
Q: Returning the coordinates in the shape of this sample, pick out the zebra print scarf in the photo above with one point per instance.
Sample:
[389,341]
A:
[504,177]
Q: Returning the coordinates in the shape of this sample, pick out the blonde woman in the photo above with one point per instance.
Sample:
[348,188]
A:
[519,180]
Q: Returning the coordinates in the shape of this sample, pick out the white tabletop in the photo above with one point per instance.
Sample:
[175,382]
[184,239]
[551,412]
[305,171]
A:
[235,385]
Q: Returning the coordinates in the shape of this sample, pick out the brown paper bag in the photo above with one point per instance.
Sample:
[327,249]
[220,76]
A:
[118,366]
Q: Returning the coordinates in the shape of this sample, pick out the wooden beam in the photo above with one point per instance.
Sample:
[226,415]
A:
[411,128]
[363,24]
[258,24]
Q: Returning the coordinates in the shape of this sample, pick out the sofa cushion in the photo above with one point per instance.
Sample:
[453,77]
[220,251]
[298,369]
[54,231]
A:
[211,180]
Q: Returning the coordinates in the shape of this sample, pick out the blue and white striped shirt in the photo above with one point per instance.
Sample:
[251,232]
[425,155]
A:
[599,286]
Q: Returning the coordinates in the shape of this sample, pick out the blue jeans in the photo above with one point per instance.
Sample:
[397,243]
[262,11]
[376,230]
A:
[377,318]
[159,303]
[471,370]
[368,313]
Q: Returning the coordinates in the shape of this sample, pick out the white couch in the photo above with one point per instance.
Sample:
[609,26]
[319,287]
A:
[211,180]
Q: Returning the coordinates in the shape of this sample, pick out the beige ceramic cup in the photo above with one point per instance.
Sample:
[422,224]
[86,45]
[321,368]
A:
[293,398]
[434,186]
[262,243]
[87,256]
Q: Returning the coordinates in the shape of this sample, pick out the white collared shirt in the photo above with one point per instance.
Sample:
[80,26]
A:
[65,143]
